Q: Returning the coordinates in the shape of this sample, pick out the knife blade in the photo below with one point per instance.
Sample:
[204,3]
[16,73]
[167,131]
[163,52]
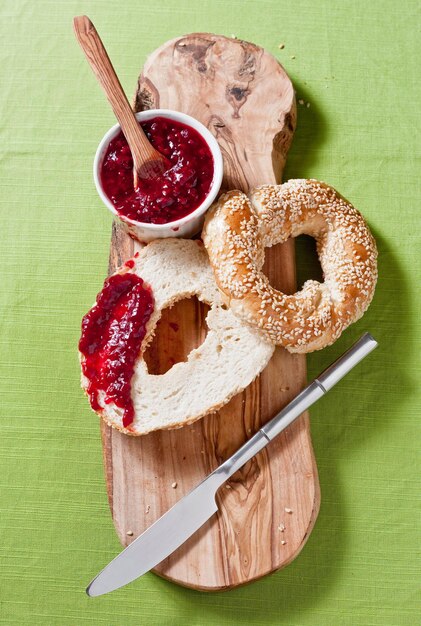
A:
[173,528]
[158,541]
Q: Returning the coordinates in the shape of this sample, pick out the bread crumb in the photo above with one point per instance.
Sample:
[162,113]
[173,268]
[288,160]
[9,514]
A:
[281,527]
[227,486]
[283,542]
[292,56]
[148,508]
[287,510]
[233,36]
[174,485]
[281,46]
[129,533]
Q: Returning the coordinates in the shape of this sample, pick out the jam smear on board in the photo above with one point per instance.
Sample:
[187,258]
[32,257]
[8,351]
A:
[174,194]
[112,335]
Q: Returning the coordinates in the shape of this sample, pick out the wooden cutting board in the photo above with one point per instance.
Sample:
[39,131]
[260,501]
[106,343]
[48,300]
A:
[242,94]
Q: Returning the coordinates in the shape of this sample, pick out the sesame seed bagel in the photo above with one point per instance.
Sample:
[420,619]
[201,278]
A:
[238,228]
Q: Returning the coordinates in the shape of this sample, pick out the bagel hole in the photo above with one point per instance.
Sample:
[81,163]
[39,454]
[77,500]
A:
[307,261]
[181,329]
[307,264]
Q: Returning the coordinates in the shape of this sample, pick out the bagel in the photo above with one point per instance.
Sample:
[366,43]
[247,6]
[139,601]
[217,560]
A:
[228,360]
[237,229]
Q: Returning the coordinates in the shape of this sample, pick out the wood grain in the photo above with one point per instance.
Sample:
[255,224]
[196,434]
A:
[246,99]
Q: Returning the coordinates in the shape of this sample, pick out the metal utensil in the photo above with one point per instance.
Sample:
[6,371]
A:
[191,512]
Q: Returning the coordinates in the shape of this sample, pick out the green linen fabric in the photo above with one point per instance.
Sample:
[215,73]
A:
[357,65]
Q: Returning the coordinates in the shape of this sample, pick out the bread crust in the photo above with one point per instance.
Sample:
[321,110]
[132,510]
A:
[238,228]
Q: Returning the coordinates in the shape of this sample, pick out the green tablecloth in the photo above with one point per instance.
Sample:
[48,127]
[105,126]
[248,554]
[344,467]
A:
[357,64]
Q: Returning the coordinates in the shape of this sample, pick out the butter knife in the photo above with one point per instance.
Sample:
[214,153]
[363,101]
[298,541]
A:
[178,524]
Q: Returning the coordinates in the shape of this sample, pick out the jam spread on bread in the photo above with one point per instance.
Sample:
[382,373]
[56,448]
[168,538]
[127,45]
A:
[112,335]
[175,194]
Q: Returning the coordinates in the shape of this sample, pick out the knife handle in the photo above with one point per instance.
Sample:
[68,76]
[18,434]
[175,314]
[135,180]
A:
[320,385]
[240,457]
[340,368]
[313,392]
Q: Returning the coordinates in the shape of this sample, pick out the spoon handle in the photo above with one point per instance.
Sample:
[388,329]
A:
[90,42]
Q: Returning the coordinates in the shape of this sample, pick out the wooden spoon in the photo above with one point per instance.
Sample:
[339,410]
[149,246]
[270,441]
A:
[147,162]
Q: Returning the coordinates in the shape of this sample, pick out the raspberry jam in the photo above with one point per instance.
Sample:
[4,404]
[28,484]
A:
[175,194]
[112,335]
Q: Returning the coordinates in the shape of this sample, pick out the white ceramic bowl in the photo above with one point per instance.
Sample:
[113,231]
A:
[186,226]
